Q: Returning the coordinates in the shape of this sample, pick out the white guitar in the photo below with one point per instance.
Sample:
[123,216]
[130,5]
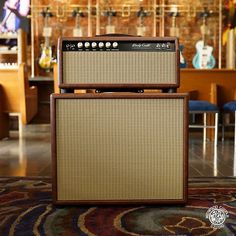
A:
[141,29]
[77,31]
[110,28]
[204,58]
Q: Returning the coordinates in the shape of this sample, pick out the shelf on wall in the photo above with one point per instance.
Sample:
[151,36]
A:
[8,51]
[8,36]
[40,79]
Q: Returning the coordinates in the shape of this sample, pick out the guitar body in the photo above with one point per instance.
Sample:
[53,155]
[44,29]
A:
[203,58]
[45,60]
[77,32]
[110,29]
[174,31]
[141,30]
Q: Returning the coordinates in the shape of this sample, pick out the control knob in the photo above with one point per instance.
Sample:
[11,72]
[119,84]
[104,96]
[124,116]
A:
[115,45]
[108,44]
[94,44]
[80,45]
[87,44]
[101,45]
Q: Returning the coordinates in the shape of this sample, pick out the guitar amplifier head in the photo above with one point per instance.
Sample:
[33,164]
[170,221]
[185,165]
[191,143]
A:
[118,62]
[117,149]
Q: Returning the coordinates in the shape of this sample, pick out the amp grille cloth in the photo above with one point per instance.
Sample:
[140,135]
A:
[115,149]
[119,68]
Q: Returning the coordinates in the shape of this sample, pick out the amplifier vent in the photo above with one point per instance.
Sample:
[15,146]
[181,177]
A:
[119,68]
[119,149]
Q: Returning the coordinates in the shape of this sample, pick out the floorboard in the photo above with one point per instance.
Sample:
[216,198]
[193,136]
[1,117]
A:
[31,155]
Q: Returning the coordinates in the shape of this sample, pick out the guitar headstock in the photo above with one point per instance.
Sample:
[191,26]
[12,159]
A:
[174,12]
[110,12]
[77,13]
[46,13]
[142,13]
[206,13]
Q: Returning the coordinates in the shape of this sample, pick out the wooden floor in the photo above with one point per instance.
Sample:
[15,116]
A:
[30,156]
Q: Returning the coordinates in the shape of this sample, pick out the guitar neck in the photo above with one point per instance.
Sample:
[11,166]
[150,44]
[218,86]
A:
[204,33]
[47,32]
[174,30]
[47,40]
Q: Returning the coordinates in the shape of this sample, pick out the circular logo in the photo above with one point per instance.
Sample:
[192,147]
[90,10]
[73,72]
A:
[217,216]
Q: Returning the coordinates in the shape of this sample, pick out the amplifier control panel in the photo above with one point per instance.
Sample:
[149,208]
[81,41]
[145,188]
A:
[95,45]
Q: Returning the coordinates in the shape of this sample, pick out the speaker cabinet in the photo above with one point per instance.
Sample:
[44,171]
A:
[118,62]
[119,148]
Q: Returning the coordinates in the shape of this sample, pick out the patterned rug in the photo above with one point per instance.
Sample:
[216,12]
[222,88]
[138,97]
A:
[26,209]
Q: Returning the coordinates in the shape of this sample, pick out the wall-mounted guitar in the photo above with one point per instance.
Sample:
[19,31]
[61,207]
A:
[46,58]
[110,28]
[77,14]
[204,58]
[141,28]
[174,32]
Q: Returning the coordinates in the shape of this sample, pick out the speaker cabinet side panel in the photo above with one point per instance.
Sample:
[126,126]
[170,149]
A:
[53,145]
[120,150]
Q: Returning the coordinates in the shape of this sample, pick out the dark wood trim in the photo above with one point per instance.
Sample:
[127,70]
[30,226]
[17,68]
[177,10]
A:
[122,202]
[119,38]
[63,85]
[119,95]
[177,64]
[60,62]
[53,146]
[183,96]
[186,146]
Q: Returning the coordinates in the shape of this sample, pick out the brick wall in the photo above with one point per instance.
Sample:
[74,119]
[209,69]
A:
[188,21]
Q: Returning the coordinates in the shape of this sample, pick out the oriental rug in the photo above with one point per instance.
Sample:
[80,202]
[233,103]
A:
[26,209]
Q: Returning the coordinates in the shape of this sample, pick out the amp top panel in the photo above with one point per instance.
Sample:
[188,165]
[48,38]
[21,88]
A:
[117,46]
[118,62]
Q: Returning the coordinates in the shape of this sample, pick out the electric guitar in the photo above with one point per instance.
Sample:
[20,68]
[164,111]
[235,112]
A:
[141,29]
[12,9]
[110,28]
[77,31]
[46,58]
[204,58]
[174,31]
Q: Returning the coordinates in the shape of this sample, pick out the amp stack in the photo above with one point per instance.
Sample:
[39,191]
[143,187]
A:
[121,144]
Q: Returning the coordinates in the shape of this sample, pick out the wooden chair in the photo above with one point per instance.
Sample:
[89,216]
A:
[4,119]
[18,98]
[227,109]
[206,108]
